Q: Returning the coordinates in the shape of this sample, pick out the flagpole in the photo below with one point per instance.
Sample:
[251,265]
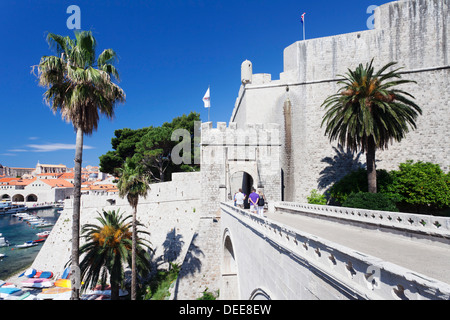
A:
[303,27]
[209,103]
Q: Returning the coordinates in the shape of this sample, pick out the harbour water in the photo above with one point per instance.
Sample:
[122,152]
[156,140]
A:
[18,232]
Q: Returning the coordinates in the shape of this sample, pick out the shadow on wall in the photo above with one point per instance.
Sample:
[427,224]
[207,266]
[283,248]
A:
[342,163]
[192,263]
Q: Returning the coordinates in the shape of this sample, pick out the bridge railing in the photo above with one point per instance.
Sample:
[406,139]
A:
[433,226]
[356,274]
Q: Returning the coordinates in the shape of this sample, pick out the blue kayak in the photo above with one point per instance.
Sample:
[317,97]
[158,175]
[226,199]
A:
[4,292]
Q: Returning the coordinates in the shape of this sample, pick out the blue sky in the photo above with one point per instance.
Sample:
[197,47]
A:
[169,53]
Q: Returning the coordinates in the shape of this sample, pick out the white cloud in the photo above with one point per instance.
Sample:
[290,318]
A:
[54,147]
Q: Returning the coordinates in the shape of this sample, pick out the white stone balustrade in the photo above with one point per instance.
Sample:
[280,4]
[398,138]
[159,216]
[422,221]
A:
[433,226]
[350,273]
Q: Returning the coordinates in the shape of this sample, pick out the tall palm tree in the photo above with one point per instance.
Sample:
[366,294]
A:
[133,183]
[107,248]
[367,113]
[81,88]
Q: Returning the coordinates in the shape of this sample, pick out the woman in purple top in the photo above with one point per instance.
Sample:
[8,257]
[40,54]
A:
[253,198]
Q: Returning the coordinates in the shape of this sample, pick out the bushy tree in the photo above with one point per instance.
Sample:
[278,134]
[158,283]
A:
[152,148]
[420,187]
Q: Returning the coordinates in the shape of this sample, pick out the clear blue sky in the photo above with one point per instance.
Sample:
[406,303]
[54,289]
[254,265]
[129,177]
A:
[169,53]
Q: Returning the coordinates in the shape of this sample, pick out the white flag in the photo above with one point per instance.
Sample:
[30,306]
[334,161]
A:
[206,99]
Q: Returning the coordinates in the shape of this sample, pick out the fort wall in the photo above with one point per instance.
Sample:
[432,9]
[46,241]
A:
[413,33]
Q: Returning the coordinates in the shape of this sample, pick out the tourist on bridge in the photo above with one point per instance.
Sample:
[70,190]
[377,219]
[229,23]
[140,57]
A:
[239,198]
[253,197]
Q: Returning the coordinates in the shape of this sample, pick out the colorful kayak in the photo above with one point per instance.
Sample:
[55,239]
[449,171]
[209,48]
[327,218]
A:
[44,274]
[66,273]
[105,291]
[20,296]
[37,283]
[5,292]
[56,293]
[63,283]
[29,273]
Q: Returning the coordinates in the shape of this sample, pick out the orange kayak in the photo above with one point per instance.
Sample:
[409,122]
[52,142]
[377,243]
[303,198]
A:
[63,283]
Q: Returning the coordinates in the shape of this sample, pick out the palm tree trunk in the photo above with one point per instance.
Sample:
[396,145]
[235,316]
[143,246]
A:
[115,285]
[133,256]
[371,168]
[76,216]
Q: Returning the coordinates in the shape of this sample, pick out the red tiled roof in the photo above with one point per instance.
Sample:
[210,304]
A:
[58,183]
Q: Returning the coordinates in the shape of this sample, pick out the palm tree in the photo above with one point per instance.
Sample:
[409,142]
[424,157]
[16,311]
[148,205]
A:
[107,248]
[81,91]
[367,113]
[133,183]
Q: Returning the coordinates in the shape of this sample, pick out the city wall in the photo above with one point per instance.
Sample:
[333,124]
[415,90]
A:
[170,212]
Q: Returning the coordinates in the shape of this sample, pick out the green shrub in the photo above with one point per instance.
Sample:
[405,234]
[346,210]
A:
[355,182]
[371,201]
[159,285]
[208,295]
[316,198]
[420,187]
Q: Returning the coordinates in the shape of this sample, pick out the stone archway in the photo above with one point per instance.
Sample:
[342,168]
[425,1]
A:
[241,180]
[18,198]
[230,281]
[6,197]
[31,198]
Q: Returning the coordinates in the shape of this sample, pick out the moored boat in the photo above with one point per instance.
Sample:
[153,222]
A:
[3,241]
[43,234]
[26,245]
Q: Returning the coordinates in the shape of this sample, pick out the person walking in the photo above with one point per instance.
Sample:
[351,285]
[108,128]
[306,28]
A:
[253,198]
[261,203]
[239,198]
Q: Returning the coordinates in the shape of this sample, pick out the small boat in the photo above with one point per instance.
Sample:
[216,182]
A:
[56,293]
[43,234]
[63,283]
[37,283]
[29,273]
[3,241]
[27,245]
[43,225]
[5,292]
[21,295]
[43,274]
[105,291]
[2,255]
[38,240]
[4,284]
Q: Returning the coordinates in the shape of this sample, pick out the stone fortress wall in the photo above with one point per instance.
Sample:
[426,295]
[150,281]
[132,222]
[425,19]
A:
[170,212]
[414,33]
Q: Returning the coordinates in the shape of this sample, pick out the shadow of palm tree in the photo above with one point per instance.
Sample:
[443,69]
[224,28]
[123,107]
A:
[172,246]
[343,162]
[191,264]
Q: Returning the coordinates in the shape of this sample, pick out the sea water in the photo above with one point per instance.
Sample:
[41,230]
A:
[18,232]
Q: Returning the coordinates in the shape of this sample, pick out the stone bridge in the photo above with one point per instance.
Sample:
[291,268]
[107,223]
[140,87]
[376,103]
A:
[302,251]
